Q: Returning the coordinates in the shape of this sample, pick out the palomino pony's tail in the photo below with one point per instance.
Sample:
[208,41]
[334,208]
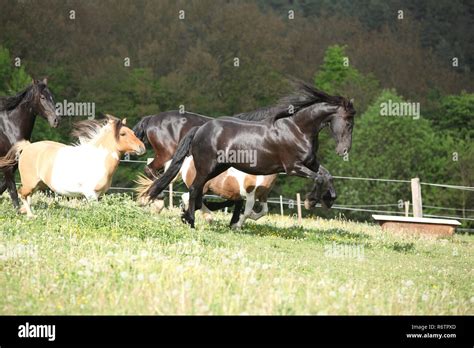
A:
[181,152]
[144,184]
[11,158]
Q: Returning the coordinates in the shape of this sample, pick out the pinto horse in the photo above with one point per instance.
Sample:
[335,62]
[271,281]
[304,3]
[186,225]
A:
[286,143]
[82,169]
[235,185]
[232,185]
[17,118]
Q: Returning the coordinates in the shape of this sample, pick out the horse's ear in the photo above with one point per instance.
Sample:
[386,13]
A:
[124,121]
[35,82]
[45,81]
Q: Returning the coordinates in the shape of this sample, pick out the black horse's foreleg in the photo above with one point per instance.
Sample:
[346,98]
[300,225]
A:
[313,165]
[10,183]
[237,210]
[305,172]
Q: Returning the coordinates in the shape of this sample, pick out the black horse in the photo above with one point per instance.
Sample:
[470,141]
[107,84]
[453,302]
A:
[286,142]
[165,130]
[17,118]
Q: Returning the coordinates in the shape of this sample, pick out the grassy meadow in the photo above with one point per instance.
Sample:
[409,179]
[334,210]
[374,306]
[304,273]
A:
[114,257]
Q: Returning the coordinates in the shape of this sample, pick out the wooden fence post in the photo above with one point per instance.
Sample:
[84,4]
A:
[171,195]
[281,205]
[416,197]
[298,205]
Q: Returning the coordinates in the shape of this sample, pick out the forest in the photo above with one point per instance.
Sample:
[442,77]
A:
[215,57]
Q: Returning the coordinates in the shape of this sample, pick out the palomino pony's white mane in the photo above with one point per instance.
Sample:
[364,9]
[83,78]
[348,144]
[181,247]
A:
[88,131]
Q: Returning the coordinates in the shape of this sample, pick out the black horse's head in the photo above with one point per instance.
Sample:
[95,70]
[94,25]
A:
[43,102]
[341,123]
[325,110]
[323,191]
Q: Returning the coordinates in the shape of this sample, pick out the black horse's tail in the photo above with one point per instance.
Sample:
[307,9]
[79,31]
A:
[181,152]
[213,206]
[141,127]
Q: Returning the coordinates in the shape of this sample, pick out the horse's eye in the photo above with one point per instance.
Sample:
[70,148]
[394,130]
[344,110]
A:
[43,97]
[122,134]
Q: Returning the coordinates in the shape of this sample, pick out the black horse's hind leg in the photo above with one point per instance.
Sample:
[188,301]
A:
[196,190]
[10,183]
[237,210]
[195,201]
[3,186]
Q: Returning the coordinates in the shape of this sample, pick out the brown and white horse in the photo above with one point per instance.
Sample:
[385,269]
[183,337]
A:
[232,185]
[82,169]
[235,185]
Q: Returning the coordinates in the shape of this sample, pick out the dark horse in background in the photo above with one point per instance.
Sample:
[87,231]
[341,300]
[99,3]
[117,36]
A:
[17,118]
[286,142]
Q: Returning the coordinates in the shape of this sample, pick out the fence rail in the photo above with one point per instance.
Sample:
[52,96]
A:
[292,203]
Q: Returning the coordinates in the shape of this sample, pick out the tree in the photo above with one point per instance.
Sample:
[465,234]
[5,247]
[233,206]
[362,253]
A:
[338,76]
[12,79]
[455,115]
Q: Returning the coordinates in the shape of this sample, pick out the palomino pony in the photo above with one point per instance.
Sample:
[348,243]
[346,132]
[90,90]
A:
[83,169]
[17,118]
[286,143]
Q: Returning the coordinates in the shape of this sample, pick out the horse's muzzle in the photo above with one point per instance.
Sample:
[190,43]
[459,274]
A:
[141,150]
[54,121]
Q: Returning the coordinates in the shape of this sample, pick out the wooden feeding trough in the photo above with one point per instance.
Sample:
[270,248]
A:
[417,225]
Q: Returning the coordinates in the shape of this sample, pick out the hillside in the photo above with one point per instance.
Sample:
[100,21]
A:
[114,257]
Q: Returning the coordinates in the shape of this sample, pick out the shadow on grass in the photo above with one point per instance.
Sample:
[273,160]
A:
[337,235]
[401,247]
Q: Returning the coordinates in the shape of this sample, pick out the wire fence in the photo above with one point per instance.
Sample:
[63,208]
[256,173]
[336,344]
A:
[365,208]
[292,203]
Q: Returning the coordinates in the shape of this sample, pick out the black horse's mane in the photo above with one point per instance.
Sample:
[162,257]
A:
[260,114]
[304,95]
[10,103]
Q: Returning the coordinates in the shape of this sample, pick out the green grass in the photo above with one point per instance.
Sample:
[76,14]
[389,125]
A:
[114,257]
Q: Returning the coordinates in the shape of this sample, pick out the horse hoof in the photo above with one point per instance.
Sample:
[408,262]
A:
[235,226]
[185,218]
[157,206]
[31,216]
[208,218]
